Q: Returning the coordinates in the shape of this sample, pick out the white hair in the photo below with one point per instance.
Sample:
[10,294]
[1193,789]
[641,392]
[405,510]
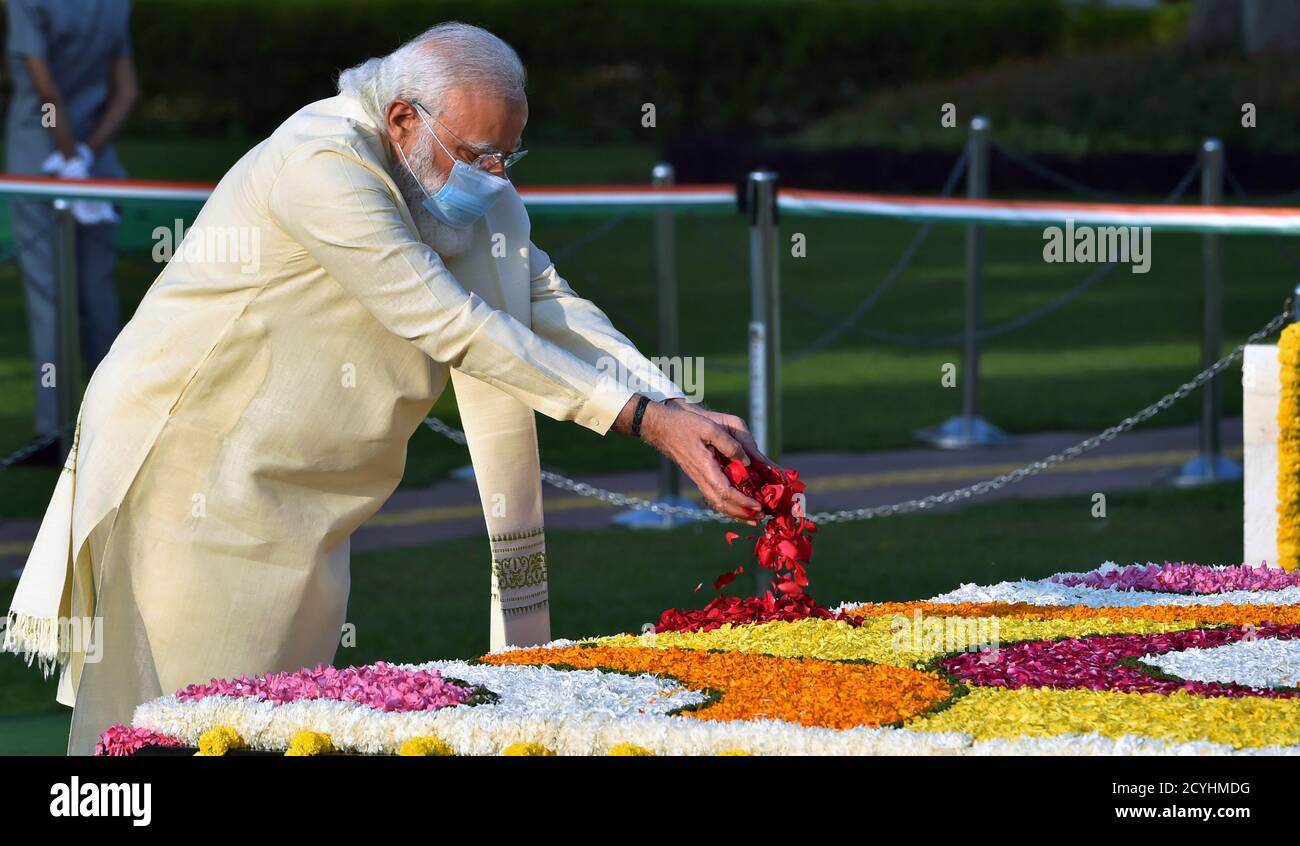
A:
[444,57]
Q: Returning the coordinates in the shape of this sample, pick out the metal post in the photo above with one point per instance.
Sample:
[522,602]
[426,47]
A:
[765,322]
[969,429]
[977,187]
[1211,465]
[670,484]
[67,367]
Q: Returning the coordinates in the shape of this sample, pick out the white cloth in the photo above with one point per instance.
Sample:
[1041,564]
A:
[88,212]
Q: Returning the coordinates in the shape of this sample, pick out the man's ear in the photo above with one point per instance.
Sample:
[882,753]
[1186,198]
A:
[402,122]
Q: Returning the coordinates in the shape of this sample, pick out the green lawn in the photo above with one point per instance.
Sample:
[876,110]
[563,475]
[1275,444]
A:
[432,602]
[1135,99]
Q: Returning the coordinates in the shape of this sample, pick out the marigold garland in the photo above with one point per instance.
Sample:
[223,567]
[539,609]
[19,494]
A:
[425,747]
[1288,449]
[307,742]
[527,750]
[219,740]
[630,750]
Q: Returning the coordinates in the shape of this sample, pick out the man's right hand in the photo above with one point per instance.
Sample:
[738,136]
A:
[688,440]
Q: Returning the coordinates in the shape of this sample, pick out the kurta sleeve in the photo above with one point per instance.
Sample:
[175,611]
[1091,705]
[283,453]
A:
[577,325]
[346,218]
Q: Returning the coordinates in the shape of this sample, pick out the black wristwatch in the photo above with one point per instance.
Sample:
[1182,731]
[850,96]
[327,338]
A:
[641,403]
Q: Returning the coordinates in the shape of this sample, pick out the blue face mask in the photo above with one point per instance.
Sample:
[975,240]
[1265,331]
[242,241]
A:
[468,193]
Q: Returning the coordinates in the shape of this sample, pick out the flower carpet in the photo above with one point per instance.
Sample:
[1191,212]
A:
[1156,659]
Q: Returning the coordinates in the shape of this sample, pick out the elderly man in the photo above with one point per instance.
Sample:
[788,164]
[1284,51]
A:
[253,414]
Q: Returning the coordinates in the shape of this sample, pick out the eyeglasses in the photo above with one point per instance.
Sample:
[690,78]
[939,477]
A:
[490,160]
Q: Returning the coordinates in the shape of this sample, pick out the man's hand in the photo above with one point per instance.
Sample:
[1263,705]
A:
[733,424]
[688,439]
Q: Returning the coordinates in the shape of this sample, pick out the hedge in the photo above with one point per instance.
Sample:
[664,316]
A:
[241,66]
[1165,100]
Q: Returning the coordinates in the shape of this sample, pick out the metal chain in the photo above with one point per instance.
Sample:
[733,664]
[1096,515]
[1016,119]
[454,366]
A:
[849,323]
[911,505]
[1278,243]
[989,485]
[1016,323]
[841,326]
[923,341]
[584,489]
[31,449]
[1268,199]
[1062,181]
[600,231]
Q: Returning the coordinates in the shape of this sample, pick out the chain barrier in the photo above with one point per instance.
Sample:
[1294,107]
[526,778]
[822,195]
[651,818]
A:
[904,261]
[588,281]
[1060,180]
[1058,302]
[847,325]
[583,489]
[1267,199]
[34,447]
[886,283]
[1278,242]
[591,237]
[912,505]
[1016,323]
[1107,435]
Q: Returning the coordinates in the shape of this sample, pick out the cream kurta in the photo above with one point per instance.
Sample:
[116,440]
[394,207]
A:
[252,415]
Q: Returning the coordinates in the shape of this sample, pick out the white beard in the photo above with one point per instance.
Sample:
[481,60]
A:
[445,240]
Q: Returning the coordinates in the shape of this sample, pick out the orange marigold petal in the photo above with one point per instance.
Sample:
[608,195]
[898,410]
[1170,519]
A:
[806,691]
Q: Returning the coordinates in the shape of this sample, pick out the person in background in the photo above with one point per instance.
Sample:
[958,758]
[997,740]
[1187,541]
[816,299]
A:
[74,85]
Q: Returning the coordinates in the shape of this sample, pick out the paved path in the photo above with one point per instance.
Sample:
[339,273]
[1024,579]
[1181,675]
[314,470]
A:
[835,480]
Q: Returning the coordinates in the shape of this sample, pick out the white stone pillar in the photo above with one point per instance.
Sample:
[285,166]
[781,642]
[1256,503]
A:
[1260,384]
